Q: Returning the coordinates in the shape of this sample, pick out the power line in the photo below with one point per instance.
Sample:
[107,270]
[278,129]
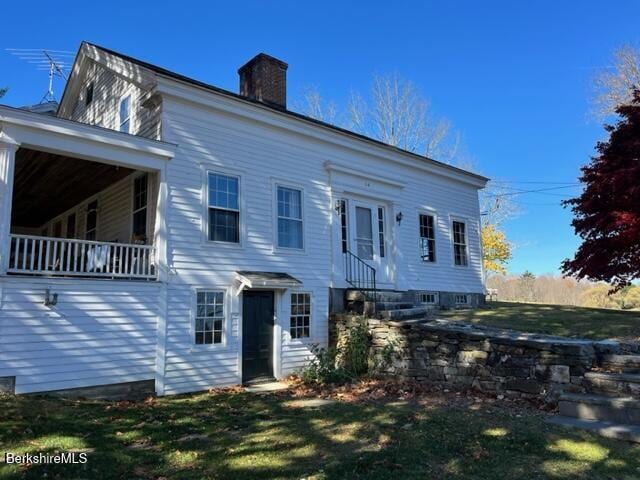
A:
[520,192]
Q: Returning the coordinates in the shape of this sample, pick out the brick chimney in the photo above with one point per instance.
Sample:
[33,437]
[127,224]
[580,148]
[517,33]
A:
[264,78]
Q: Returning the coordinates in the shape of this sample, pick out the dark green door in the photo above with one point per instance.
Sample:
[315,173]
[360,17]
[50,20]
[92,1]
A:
[257,335]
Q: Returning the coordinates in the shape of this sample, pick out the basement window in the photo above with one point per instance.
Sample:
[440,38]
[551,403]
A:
[428,298]
[209,317]
[461,299]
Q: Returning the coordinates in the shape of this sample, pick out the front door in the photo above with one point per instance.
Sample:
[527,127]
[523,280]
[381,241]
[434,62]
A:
[257,335]
[369,235]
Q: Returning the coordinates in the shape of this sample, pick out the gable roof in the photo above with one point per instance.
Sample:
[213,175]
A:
[276,109]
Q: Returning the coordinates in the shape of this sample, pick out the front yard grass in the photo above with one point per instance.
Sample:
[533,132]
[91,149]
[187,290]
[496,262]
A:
[237,435]
[564,320]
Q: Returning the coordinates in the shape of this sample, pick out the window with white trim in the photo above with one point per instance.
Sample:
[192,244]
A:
[461,299]
[91,224]
[224,208]
[459,243]
[209,317]
[140,189]
[300,320]
[124,114]
[427,238]
[290,226]
[428,298]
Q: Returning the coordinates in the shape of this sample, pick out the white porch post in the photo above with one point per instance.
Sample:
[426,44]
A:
[7,167]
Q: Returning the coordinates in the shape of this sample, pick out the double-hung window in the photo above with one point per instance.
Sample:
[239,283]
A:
[427,238]
[124,114]
[290,231]
[209,317]
[91,226]
[300,320]
[140,188]
[459,243]
[224,208]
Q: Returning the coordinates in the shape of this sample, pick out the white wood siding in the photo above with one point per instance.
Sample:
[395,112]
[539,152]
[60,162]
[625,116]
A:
[261,157]
[100,332]
[115,210]
[108,89]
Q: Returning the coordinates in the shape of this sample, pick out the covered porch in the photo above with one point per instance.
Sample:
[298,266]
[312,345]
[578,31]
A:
[79,201]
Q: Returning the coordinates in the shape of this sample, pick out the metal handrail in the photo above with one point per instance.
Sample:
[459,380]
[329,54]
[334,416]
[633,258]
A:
[360,275]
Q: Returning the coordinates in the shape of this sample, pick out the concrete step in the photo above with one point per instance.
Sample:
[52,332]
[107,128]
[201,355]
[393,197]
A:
[613,383]
[600,407]
[621,363]
[405,313]
[617,431]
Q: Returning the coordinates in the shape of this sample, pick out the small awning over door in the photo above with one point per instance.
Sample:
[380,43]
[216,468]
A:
[273,280]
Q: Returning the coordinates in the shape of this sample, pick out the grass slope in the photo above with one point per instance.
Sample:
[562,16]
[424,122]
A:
[596,323]
[242,436]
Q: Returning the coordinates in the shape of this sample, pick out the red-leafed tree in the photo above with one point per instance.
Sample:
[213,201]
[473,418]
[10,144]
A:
[607,214]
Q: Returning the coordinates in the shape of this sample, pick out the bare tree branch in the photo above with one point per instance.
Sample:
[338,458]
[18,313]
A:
[312,105]
[614,86]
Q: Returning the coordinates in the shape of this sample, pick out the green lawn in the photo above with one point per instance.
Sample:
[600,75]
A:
[240,436]
[597,323]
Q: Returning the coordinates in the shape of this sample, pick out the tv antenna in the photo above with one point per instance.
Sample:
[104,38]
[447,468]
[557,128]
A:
[55,62]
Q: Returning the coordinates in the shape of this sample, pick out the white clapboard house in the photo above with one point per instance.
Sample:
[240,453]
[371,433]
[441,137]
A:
[159,232]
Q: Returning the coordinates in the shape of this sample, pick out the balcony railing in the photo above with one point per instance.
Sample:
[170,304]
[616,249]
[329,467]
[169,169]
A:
[83,258]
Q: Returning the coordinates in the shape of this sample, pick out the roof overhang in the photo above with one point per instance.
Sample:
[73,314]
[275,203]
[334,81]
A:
[267,280]
[73,139]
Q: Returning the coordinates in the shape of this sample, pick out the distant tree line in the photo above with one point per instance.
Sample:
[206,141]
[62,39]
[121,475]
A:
[554,289]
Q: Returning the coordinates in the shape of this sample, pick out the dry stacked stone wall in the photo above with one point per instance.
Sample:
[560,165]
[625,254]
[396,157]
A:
[451,355]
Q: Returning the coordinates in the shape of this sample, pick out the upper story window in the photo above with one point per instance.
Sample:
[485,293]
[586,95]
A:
[224,208]
[125,114]
[91,226]
[140,200]
[289,218]
[88,94]
[300,321]
[427,238]
[209,317]
[459,243]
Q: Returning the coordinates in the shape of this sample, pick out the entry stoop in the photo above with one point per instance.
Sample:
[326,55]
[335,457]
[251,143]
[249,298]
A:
[390,305]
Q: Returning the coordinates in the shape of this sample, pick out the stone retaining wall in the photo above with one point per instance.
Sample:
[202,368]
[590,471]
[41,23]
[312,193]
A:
[453,355]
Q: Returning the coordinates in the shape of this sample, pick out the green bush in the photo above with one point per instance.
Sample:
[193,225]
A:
[348,361]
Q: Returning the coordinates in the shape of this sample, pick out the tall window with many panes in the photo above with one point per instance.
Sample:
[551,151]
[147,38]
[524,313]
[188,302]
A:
[209,317]
[290,231]
[427,238]
[300,321]
[140,188]
[224,208]
[459,243]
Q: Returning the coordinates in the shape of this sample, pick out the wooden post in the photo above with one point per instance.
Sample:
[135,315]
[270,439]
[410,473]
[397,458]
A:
[7,168]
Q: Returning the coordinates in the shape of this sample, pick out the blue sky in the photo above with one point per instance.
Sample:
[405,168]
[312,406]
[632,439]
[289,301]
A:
[514,78]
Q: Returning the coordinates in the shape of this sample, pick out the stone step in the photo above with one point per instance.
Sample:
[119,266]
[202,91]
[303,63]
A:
[617,431]
[600,407]
[616,383]
[621,363]
[405,313]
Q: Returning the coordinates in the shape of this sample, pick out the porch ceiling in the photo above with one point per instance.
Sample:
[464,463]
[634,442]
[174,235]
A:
[46,184]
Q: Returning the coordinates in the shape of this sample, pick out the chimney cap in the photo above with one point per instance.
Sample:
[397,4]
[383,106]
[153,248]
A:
[266,58]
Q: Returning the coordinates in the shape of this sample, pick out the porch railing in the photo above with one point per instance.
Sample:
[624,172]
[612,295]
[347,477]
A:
[360,275]
[84,258]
